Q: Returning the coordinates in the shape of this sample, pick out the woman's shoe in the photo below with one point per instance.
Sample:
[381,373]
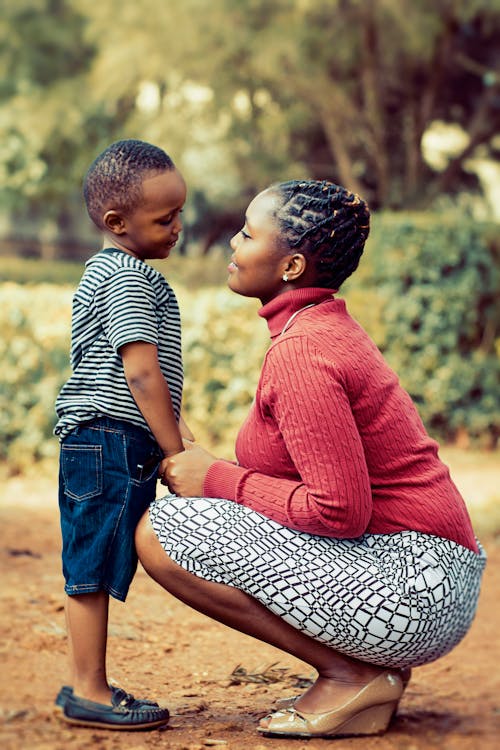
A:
[369,712]
[281,703]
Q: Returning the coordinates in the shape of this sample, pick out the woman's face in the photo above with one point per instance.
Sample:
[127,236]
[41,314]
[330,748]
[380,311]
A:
[257,265]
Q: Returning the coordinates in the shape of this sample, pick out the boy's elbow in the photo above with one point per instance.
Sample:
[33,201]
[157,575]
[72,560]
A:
[139,379]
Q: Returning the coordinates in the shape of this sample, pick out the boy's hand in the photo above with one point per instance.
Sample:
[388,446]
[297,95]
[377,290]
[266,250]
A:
[184,473]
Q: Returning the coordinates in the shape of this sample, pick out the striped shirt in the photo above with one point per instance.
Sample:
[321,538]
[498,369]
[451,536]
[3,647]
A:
[120,299]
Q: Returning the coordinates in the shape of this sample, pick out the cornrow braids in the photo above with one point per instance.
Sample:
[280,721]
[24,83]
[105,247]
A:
[325,222]
[114,179]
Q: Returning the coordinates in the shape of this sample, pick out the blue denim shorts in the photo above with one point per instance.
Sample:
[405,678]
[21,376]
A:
[107,479]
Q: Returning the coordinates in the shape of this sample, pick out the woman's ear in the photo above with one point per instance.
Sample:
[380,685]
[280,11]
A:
[296,266]
[114,222]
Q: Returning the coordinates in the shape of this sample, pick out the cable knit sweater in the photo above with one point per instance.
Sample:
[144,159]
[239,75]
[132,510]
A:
[333,445]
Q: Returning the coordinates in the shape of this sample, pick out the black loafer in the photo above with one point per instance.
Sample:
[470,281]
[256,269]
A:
[66,691]
[123,713]
[62,696]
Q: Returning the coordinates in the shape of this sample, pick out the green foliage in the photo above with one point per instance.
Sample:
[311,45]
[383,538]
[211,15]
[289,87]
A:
[244,92]
[426,291]
[224,343]
[438,318]
[34,355]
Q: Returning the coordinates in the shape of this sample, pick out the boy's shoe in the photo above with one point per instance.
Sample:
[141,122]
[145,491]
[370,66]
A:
[124,712]
[66,690]
[62,696]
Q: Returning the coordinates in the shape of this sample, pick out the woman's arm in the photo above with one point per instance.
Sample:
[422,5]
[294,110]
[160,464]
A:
[310,409]
[303,393]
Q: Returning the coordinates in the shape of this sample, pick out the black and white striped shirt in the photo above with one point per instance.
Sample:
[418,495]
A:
[120,299]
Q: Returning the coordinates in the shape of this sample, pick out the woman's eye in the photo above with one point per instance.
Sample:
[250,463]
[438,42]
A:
[244,234]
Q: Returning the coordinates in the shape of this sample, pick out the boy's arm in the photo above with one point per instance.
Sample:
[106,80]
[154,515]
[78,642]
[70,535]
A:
[151,393]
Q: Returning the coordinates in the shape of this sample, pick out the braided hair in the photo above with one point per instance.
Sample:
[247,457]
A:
[115,177]
[326,223]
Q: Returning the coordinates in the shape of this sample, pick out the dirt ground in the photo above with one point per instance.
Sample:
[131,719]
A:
[161,649]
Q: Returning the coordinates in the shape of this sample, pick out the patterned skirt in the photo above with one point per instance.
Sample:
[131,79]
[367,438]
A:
[394,600]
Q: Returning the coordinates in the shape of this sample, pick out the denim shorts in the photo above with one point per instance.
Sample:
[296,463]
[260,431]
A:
[107,479]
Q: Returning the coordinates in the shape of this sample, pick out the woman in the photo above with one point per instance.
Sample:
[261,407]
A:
[338,536]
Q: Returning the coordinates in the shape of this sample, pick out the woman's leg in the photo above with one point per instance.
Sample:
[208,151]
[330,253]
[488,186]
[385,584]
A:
[339,676]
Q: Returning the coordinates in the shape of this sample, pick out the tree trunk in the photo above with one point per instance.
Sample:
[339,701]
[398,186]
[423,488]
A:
[373,101]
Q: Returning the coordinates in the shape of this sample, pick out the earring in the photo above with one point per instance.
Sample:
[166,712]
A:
[285,277]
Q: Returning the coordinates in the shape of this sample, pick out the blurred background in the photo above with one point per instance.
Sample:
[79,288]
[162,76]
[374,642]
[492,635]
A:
[395,99]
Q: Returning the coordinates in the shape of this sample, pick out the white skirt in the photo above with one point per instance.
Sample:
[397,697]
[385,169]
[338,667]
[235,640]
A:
[394,600]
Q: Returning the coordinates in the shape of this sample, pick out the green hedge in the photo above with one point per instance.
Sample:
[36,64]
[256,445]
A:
[436,318]
[426,290]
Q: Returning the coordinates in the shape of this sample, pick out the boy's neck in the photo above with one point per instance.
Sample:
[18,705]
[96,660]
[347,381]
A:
[107,245]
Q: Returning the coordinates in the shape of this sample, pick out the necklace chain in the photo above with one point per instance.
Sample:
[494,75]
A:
[292,317]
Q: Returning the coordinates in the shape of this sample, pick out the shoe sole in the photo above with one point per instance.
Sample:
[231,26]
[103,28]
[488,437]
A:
[103,725]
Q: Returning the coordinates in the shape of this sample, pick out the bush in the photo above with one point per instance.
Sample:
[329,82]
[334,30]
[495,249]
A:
[34,355]
[224,344]
[437,318]
[425,291]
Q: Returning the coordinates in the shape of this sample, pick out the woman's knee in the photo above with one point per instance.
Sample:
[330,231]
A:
[149,549]
[144,534]
[153,557]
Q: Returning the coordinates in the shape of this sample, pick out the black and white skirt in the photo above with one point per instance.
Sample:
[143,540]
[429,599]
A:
[394,600]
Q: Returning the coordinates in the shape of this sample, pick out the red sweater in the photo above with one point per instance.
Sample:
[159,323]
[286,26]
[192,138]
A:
[333,445]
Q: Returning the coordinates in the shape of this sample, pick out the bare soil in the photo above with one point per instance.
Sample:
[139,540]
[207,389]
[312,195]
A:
[161,649]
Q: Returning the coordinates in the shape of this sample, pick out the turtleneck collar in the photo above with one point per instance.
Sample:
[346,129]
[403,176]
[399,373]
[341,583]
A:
[279,309]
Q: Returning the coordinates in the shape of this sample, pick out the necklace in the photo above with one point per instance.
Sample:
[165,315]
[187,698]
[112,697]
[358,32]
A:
[294,315]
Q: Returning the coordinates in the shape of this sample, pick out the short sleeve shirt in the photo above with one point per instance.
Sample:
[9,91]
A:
[120,300]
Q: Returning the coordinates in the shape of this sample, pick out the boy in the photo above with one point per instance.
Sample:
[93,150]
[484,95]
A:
[118,413]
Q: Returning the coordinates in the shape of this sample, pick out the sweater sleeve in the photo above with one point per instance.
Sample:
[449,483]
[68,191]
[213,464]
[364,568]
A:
[304,396]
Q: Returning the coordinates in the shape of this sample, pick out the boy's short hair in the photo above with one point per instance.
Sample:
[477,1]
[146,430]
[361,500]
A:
[114,179]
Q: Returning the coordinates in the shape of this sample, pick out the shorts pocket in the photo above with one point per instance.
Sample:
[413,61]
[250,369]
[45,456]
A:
[81,467]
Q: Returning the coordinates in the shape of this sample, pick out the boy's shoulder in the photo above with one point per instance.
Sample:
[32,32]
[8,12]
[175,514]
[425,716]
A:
[113,271]
[108,262]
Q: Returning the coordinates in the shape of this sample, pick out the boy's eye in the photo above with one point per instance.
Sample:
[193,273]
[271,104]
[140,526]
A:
[169,219]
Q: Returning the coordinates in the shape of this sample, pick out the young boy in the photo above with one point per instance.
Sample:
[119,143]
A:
[118,413]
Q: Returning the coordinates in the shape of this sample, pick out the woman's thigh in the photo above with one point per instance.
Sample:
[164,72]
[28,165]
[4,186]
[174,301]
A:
[397,600]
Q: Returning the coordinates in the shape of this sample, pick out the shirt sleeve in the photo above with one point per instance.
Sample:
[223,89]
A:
[308,403]
[126,306]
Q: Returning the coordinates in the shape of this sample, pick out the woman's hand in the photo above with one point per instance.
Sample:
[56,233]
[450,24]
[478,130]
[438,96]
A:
[184,473]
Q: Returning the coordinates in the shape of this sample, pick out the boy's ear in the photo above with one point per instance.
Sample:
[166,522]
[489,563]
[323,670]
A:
[114,222]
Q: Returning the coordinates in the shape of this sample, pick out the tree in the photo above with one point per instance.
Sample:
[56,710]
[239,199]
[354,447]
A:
[246,92]
[360,81]
[47,125]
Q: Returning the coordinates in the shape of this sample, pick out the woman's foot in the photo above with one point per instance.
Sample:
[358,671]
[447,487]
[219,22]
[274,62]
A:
[335,689]
[340,708]
[290,701]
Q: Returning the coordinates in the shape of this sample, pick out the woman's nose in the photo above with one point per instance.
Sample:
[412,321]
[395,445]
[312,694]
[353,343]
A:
[232,242]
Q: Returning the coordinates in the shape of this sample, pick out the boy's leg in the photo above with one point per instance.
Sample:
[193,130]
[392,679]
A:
[87,626]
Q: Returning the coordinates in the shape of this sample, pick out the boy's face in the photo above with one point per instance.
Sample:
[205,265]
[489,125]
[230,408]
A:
[153,228]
